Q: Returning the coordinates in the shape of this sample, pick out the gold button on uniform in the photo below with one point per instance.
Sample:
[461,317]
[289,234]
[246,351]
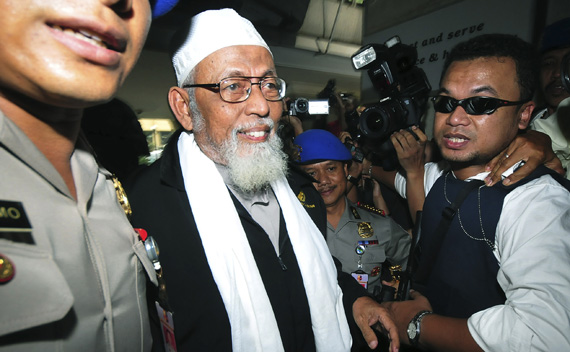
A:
[6,269]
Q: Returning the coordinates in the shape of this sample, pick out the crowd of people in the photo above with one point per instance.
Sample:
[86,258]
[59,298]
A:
[272,238]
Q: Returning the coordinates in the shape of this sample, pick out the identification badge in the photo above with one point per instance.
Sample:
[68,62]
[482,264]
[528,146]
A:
[362,278]
[167,328]
[360,275]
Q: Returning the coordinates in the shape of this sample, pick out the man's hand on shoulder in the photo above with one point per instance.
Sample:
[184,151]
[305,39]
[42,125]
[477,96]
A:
[532,147]
[367,312]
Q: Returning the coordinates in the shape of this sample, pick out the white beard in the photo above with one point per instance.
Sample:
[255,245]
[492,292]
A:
[253,166]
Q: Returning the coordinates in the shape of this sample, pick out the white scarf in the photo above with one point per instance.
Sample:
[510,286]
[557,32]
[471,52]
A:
[233,266]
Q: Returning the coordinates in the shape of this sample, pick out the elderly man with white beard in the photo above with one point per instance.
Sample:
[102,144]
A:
[241,232]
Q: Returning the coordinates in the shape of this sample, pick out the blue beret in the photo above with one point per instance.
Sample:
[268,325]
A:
[556,35]
[160,7]
[319,145]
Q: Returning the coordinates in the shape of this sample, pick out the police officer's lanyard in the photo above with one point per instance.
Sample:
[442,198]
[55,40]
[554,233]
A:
[364,231]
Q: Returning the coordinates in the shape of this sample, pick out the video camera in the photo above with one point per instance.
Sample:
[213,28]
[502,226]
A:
[403,89]
[303,107]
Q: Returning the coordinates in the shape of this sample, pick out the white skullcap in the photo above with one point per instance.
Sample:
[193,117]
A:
[211,31]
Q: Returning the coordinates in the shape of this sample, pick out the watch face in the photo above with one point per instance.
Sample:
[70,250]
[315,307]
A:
[412,331]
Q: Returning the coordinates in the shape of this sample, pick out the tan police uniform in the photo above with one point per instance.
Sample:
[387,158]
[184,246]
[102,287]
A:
[363,241]
[78,271]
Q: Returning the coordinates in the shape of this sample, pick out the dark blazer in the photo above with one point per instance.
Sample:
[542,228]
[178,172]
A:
[160,206]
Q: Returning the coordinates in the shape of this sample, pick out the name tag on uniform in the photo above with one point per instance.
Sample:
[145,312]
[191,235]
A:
[14,223]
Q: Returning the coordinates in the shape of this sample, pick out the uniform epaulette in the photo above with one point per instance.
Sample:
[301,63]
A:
[371,209]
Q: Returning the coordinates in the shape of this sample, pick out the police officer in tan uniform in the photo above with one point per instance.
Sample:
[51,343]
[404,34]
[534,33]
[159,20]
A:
[73,271]
[362,239]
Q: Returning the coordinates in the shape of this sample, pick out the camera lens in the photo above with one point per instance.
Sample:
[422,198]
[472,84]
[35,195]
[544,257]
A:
[302,105]
[374,122]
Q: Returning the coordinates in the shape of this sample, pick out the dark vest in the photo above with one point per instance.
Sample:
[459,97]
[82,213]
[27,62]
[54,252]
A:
[464,276]
[283,282]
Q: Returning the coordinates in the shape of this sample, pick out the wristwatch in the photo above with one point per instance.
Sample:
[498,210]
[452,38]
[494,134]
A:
[353,180]
[414,327]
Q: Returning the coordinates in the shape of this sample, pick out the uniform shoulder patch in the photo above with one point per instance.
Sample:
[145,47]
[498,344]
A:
[302,198]
[371,209]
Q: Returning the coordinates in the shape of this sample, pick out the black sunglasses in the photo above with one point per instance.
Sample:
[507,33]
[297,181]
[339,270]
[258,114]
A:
[473,105]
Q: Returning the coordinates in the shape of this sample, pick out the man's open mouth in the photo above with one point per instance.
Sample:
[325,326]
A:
[255,134]
[87,36]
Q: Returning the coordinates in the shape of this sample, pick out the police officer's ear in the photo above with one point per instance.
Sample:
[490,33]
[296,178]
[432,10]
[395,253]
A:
[178,101]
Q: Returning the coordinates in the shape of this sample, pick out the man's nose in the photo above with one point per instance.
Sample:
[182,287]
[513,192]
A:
[120,6]
[323,179]
[256,103]
[458,117]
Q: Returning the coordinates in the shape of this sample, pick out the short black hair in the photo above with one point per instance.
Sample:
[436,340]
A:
[501,45]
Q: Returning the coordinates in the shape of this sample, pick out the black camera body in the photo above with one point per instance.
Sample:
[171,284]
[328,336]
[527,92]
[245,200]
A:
[403,89]
[357,153]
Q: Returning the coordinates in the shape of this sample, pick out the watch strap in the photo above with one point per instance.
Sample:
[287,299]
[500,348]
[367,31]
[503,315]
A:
[416,321]
[353,180]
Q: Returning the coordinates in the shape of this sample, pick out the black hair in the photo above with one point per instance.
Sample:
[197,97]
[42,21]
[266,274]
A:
[116,136]
[524,55]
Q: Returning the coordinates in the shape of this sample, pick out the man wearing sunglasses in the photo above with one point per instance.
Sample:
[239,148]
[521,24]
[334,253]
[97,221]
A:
[72,269]
[241,233]
[494,264]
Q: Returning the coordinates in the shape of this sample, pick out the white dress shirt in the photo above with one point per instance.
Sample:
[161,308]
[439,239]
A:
[533,251]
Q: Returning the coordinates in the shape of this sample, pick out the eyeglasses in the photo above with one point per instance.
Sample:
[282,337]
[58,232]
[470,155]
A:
[473,105]
[238,89]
